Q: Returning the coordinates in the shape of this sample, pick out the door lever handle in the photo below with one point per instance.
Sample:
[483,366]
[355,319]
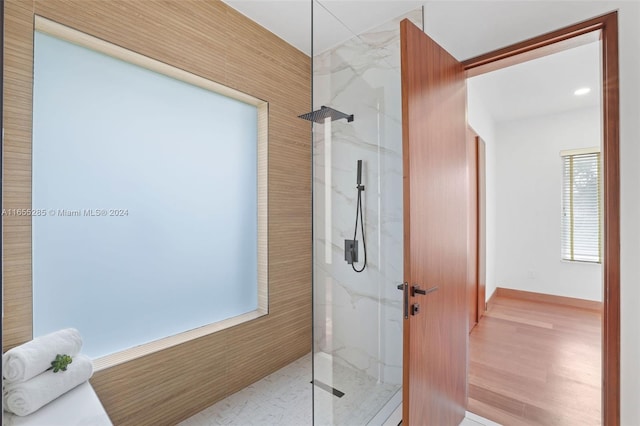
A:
[415,289]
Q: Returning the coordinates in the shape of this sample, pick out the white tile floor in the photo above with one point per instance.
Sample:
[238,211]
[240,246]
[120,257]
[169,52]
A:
[475,420]
[284,399]
[363,396]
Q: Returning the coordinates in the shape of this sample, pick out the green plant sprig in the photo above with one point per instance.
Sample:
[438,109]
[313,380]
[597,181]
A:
[60,363]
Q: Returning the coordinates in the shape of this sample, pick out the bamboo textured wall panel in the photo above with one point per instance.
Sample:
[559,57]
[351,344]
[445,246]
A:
[16,190]
[214,41]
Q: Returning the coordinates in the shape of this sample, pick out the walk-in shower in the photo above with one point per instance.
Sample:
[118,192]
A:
[357,318]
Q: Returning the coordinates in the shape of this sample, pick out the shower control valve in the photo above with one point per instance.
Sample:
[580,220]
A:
[351,251]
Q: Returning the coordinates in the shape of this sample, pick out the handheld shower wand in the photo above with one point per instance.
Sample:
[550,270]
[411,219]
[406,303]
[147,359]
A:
[351,246]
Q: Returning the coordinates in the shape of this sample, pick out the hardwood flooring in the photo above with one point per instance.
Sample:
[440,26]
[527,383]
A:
[534,363]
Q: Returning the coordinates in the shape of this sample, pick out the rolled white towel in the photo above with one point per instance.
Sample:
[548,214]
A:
[26,397]
[32,358]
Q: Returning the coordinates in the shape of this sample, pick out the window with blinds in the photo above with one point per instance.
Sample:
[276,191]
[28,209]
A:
[581,206]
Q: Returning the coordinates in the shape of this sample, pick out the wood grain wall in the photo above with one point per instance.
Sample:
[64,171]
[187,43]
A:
[212,40]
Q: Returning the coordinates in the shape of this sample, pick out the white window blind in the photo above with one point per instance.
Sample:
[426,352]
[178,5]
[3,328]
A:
[581,207]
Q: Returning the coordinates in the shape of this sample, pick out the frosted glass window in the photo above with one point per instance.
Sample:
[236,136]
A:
[148,186]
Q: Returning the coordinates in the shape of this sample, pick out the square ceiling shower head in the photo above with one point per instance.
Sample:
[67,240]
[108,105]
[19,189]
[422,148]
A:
[320,115]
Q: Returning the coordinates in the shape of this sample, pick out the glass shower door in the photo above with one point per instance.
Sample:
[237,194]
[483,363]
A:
[357,320]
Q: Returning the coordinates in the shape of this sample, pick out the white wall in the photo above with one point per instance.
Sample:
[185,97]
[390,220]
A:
[528,204]
[629,48]
[480,121]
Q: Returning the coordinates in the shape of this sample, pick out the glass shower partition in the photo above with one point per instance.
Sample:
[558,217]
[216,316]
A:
[357,319]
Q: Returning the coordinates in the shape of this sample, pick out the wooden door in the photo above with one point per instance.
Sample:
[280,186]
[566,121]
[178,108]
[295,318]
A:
[472,228]
[435,231]
[482,227]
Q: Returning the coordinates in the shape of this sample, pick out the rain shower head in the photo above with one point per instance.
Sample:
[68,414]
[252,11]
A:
[324,112]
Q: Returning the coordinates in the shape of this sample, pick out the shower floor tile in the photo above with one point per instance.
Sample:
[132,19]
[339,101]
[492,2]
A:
[284,399]
[363,395]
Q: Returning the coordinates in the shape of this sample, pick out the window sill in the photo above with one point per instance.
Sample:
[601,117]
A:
[585,262]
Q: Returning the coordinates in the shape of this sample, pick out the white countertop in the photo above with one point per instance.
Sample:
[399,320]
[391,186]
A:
[78,407]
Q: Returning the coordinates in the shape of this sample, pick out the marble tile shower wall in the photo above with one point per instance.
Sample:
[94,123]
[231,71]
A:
[358,316]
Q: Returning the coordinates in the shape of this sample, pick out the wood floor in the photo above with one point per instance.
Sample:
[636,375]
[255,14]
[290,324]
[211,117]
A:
[534,363]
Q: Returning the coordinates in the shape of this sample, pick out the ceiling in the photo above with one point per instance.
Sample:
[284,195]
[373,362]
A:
[542,86]
[466,29]
[334,21]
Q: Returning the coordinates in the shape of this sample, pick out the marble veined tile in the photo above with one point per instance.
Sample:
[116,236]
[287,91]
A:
[282,398]
[358,316]
[363,396]
[472,419]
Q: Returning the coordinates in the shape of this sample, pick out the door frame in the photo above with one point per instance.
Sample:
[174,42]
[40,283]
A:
[604,28]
